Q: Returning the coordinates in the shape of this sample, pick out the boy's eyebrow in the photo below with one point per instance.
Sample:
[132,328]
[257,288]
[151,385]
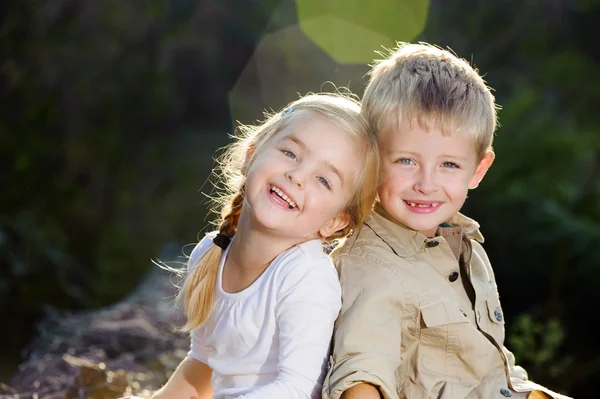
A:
[396,152]
[411,153]
[327,164]
[458,157]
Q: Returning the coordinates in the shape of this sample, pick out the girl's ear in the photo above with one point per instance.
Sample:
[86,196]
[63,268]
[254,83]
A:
[249,154]
[335,224]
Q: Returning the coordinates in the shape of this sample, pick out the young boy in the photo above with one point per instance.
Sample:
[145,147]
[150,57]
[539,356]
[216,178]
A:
[421,316]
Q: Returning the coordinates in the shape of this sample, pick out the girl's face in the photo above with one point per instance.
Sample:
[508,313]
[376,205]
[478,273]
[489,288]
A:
[300,182]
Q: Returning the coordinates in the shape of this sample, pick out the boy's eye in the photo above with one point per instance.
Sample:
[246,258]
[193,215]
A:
[450,165]
[405,161]
[289,154]
[324,182]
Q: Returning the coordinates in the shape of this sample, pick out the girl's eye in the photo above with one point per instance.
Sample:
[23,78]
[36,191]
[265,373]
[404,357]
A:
[289,154]
[451,165]
[324,182]
[405,161]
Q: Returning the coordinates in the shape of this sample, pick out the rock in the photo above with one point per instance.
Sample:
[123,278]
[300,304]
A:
[127,349]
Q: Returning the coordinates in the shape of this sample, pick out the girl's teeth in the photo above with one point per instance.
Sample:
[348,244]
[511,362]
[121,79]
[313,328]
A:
[285,197]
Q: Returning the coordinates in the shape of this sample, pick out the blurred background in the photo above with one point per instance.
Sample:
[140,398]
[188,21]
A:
[112,111]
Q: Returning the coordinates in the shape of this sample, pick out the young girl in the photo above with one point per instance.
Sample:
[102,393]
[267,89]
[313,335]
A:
[261,297]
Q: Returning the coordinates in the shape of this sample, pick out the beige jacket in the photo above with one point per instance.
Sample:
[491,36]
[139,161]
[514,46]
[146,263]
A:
[407,324]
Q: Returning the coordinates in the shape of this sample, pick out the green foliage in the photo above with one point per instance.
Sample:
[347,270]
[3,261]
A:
[104,143]
[91,146]
[537,344]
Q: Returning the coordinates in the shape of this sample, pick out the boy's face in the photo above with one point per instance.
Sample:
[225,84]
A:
[426,175]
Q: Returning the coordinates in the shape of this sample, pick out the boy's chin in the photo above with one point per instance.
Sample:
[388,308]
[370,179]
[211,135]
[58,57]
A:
[427,229]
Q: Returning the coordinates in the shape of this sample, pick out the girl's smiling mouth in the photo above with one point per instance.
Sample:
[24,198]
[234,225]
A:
[280,197]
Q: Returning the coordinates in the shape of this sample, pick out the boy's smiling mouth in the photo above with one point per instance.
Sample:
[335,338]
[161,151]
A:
[423,206]
[281,197]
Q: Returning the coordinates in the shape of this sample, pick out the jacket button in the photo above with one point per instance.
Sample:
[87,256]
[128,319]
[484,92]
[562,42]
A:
[431,244]
[506,393]
[498,314]
[453,277]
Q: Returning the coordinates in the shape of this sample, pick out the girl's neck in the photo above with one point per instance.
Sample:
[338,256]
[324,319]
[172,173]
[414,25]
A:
[256,248]
[250,254]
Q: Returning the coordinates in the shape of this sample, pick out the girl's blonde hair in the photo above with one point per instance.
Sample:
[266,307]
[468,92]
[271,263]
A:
[197,293]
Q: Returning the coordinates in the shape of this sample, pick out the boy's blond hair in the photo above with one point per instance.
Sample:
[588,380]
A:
[433,87]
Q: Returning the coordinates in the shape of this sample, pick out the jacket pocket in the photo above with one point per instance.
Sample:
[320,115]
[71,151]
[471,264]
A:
[495,311]
[443,328]
[442,313]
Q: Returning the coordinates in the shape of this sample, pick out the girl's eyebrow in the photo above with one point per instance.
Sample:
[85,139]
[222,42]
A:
[297,141]
[334,170]
[328,164]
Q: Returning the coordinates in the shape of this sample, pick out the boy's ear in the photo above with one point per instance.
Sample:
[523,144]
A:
[335,224]
[482,168]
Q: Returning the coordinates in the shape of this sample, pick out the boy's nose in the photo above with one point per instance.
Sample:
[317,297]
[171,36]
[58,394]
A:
[426,184]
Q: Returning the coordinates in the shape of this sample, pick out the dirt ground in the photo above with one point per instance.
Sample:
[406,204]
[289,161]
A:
[127,349]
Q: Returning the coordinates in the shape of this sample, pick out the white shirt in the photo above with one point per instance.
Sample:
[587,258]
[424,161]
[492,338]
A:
[271,340]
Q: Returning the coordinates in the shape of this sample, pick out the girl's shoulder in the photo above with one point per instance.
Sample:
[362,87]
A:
[307,255]
[305,263]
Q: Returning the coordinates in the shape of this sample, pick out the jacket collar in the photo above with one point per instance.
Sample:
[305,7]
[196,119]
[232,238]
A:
[406,242]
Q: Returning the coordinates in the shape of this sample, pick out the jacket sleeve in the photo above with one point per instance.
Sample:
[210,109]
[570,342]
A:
[368,330]
[519,380]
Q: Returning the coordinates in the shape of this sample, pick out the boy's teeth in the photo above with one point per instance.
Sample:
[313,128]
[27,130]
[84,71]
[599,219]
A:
[432,205]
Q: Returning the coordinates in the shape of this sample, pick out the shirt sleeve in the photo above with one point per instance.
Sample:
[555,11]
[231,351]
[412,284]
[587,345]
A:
[309,301]
[368,330]
[198,348]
